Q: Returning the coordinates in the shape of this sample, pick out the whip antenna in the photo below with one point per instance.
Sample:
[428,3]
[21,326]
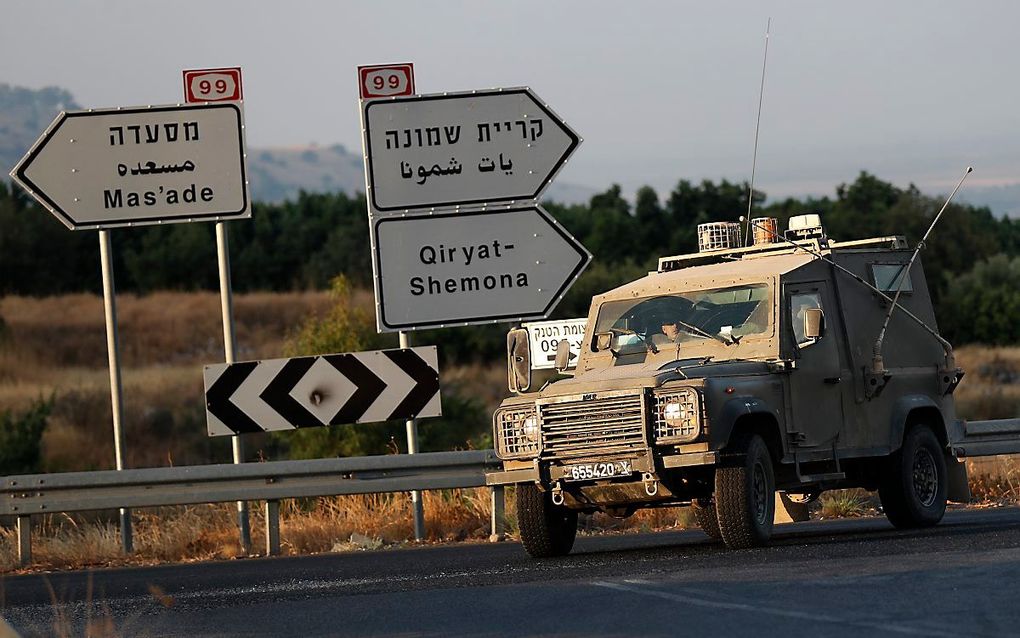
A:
[757,125]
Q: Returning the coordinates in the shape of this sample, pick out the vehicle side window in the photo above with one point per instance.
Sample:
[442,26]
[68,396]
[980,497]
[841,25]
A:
[887,277]
[799,304]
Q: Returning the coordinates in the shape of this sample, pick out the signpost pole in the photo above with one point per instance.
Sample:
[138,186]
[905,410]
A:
[116,388]
[230,352]
[412,448]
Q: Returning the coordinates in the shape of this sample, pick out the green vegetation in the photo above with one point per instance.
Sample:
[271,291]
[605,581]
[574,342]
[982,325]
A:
[304,243]
[983,304]
[21,438]
[348,328]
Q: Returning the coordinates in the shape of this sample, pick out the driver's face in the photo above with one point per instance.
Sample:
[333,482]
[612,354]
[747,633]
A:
[671,330]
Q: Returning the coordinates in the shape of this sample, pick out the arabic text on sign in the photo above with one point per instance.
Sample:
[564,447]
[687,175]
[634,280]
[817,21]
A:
[150,168]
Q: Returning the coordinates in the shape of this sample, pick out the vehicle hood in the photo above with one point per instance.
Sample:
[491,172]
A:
[652,375]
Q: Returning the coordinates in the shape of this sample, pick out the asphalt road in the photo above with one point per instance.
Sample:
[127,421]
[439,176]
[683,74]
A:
[840,578]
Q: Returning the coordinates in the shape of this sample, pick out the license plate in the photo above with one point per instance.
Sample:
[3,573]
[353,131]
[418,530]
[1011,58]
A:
[590,471]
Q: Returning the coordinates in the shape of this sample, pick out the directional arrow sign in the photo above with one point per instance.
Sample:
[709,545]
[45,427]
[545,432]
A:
[332,389]
[466,268]
[460,149]
[135,166]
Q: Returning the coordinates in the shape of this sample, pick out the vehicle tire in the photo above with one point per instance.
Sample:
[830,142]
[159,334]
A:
[745,496]
[546,529]
[704,513]
[915,482]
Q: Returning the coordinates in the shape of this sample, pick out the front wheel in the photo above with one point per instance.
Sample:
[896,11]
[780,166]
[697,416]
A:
[745,499]
[546,529]
[915,482]
[708,520]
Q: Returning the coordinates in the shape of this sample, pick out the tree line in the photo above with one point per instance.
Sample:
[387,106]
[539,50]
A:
[304,243]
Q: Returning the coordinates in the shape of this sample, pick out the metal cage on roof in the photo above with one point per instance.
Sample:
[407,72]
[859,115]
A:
[718,236]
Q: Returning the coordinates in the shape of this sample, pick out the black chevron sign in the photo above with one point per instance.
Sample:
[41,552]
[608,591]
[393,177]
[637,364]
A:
[332,389]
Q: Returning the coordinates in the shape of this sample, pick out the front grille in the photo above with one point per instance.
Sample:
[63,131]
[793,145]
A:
[611,426]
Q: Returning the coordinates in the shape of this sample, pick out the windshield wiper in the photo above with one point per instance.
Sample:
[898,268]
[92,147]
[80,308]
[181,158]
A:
[698,332]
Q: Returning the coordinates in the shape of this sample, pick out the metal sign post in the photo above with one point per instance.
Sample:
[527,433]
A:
[223,85]
[411,426]
[116,387]
[229,350]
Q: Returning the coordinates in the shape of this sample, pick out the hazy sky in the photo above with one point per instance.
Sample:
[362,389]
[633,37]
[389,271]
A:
[912,91]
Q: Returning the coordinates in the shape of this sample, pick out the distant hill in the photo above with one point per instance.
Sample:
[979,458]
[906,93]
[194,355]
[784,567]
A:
[24,114]
[275,174]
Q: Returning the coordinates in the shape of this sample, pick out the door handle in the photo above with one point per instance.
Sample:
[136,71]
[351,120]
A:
[832,380]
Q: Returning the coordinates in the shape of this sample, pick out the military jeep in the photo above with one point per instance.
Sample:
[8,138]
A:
[733,373]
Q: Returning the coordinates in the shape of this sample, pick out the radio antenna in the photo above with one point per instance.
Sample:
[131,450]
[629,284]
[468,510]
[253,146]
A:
[757,126]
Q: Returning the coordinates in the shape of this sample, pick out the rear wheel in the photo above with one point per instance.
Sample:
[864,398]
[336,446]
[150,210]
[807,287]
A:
[546,529]
[704,513]
[745,496]
[915,481]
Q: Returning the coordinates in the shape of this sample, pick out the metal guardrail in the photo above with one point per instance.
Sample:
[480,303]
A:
[23,496]
[989,438]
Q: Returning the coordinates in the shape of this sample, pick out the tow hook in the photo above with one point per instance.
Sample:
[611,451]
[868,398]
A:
[557,494]
[651,484]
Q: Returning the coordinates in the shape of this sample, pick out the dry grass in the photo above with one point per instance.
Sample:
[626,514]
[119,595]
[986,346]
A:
[57,347]
[991,387]
[69,331]
[206,532]
[852,503]
[995,480]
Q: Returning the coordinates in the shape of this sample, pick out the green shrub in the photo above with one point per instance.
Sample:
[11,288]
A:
[348,329]
[981,306]
[21,438]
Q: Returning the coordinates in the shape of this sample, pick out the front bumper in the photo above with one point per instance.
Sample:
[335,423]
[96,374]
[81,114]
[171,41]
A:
[547,474]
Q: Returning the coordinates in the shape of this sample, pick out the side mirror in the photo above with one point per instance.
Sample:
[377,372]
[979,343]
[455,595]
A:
[814,323]
[518,360]
[563,355]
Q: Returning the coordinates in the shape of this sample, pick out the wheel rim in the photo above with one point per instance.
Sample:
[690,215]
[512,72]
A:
[925,477]
[760,493]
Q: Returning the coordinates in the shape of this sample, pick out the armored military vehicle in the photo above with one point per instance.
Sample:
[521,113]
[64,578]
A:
[739,371]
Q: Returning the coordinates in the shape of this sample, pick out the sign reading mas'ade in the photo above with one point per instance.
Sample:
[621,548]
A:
[135,166]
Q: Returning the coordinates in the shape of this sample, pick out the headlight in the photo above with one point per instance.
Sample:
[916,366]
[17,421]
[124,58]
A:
[677,416]
[529,428]
[517,431]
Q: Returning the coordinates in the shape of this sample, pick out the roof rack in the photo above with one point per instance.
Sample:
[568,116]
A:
[676,262]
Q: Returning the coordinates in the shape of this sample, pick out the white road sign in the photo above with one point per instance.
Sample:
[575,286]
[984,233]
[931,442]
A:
[543,336]
[460,149]
[331,389]
[135,166]
[456,269]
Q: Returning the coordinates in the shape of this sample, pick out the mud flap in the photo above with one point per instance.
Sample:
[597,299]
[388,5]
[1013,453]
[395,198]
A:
[959,486]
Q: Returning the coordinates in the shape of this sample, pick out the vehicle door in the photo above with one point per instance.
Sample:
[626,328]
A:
[816,386]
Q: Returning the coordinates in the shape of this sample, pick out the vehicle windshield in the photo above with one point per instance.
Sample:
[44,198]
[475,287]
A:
[662,323]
